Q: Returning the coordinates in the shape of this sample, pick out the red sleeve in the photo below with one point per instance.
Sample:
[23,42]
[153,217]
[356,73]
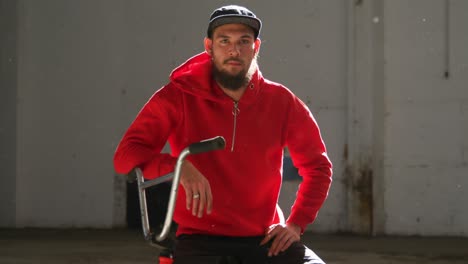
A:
[309,155]
[142,143]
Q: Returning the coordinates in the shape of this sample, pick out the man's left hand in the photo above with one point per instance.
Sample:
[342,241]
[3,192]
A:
[283,236]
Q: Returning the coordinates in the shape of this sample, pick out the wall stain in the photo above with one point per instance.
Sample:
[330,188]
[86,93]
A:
[359,182]
[363,188]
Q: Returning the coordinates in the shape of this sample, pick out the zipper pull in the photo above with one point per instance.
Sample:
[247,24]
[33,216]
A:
[235,109]
[235,112]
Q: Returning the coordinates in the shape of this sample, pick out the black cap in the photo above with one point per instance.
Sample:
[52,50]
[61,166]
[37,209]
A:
[234,14]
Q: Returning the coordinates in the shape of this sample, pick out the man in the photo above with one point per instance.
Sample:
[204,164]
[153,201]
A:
[227,205]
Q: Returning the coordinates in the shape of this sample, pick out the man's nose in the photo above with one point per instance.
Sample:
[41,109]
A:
[234,50]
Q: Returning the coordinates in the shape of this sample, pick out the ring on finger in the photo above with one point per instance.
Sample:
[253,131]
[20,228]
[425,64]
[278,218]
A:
[196,196]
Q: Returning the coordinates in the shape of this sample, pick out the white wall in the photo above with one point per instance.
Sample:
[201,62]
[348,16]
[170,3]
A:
[426,118]
[394,127]
[68,112]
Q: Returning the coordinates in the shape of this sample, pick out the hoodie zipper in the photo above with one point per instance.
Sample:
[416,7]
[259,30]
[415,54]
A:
[235,112]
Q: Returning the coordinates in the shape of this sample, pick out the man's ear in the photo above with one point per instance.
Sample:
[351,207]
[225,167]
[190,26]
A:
[257,44]
[208,45]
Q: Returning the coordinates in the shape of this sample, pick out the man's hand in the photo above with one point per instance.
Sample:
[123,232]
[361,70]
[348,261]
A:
[197,190]
[283,236]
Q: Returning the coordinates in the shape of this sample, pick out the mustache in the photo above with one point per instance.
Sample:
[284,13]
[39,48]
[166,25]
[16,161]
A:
[234,60]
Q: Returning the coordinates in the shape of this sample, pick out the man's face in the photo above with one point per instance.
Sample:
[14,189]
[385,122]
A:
[233,48]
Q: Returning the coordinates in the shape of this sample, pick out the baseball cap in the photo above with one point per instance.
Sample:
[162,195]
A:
[234,14]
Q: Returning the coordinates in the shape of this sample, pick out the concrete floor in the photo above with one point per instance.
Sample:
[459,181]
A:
[21,246]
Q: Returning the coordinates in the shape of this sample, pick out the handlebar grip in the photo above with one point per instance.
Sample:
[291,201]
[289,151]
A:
[207,145]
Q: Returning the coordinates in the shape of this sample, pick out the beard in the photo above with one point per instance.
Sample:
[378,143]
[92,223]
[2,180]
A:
[234,82]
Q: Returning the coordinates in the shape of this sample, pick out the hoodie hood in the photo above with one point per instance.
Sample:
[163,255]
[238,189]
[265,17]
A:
[194,77]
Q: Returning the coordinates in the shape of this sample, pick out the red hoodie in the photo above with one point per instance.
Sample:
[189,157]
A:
[245,178]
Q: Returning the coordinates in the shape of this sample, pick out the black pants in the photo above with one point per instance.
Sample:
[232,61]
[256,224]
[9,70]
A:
[198,249]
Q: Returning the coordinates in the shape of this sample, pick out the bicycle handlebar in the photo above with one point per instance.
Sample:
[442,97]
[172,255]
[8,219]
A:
[211,144]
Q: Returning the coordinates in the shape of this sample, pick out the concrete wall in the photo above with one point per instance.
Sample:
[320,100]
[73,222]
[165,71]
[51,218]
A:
[426,117]
[8,84]
[372,72]
[68,112]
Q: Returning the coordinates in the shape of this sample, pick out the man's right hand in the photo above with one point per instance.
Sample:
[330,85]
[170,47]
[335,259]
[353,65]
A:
[197,190]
